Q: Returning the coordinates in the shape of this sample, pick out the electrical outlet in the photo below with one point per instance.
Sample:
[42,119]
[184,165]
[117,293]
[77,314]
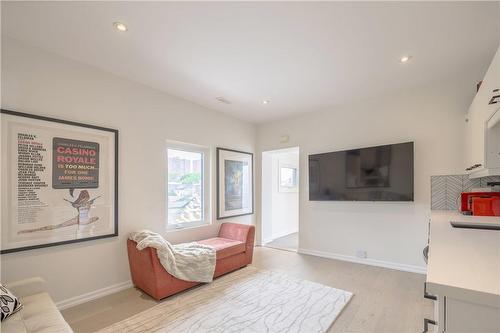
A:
[361,254]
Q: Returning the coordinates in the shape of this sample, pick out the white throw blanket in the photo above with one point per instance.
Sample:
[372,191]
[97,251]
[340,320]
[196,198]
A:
[188,261]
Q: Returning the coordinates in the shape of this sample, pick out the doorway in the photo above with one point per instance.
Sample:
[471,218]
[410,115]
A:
[280,199]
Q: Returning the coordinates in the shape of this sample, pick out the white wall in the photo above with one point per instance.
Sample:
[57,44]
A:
[280,210]
[266,211]
[393,233]
[38,82]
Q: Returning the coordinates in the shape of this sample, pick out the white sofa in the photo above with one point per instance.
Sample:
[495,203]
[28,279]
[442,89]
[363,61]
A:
[39,313]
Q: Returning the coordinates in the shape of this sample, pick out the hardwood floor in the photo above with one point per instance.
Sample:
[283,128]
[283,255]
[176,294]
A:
[385,301]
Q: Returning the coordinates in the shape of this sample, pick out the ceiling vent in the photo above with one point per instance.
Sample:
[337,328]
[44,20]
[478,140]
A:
[222,100]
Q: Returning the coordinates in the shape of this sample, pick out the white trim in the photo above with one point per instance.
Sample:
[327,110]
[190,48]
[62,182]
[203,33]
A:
[73,301]
[371,262]
[206,180]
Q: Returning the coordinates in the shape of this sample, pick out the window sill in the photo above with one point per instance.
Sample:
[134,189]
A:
[177,227]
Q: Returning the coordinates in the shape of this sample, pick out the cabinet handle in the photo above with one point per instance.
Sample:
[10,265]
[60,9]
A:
[493,100]
[473,167]
[426,324]
[429,296]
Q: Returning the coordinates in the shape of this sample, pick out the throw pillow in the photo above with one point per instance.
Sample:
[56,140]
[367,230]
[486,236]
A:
[8,302]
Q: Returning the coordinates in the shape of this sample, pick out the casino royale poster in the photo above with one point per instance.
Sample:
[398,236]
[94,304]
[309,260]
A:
[57,183]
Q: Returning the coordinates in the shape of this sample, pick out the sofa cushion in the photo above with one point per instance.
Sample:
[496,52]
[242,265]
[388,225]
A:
[225,247]
[40,314]
[14,324]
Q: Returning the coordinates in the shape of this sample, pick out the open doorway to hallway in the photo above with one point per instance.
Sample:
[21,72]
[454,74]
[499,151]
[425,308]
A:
[280,199]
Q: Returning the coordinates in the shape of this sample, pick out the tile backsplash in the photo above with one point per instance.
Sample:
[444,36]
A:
[445,190]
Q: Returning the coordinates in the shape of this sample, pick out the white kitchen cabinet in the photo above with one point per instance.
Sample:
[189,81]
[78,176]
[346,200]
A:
[481,149]
[475,138]
[466,317]
[463,275]
[493,141]
[489,93]
[457,316]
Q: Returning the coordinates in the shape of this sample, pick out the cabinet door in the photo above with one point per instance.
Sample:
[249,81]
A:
[467,317]
[468,142]
[489,93]
[493,140]
[481,110]
[475,138]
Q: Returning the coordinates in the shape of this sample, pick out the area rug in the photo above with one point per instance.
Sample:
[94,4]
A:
[248,300]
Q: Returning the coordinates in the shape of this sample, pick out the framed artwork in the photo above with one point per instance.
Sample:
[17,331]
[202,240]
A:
[59,182]
[288,178]
[234,183]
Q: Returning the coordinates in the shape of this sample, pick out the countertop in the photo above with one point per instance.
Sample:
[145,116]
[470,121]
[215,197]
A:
[464,263]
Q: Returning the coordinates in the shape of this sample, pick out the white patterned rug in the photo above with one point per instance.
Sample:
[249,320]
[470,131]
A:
[248,300]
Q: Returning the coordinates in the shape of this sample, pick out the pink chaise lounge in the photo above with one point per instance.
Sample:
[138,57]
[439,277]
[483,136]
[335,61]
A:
[234,247]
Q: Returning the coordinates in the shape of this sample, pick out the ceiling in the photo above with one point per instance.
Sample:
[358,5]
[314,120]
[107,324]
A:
[301,56]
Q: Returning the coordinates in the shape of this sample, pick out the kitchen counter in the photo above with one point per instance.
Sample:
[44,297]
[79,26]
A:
[464,263]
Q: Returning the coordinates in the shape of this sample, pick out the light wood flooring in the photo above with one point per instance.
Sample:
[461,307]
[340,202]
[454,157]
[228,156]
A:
[385,301]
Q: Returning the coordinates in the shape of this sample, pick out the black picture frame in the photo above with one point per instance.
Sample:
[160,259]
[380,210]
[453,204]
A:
[77,124]
[218,170]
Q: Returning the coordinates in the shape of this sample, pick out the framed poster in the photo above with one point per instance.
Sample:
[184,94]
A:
[234,183]
[59,182]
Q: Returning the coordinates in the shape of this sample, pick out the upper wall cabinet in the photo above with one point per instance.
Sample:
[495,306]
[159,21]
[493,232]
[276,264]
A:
[482,133]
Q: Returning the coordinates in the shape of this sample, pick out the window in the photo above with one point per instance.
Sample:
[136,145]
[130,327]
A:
[188,185]
[288,178]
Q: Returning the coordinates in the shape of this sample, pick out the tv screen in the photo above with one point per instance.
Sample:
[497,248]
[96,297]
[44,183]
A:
[381,173]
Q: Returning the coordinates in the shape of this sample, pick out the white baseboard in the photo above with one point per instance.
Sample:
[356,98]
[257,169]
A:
[371,262]
[70,302]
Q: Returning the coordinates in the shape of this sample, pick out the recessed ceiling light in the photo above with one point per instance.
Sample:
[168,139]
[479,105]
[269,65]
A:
[405,59]
[265,102]
[120,26]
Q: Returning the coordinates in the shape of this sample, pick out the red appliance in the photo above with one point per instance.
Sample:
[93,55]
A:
[486,206]
[480,203]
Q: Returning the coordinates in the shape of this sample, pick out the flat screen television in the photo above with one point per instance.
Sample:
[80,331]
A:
[381,173]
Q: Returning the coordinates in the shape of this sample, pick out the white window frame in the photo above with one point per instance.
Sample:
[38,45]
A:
[206,181]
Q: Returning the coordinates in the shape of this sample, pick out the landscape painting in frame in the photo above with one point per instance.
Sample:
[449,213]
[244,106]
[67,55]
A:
[59,182]
[234,183]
